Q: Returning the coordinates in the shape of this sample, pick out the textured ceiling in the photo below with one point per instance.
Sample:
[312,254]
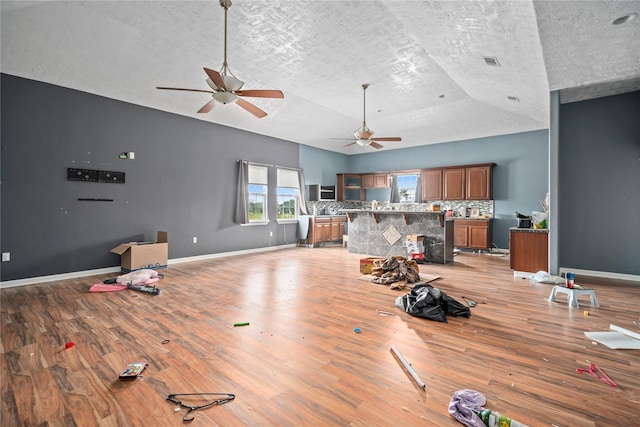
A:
[424,61]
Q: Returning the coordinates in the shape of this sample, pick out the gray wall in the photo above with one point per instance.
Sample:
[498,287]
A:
[184,175]
[520,177]
[182,180]
[599,184]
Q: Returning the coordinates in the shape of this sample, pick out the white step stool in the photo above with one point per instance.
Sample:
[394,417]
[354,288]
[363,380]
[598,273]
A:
[573,294]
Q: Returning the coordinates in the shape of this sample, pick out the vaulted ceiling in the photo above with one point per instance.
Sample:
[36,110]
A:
[438,71]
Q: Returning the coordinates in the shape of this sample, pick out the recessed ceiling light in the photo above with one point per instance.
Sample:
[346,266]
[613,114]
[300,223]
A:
[624,19]
[513,98]
[491,60]
[441,96]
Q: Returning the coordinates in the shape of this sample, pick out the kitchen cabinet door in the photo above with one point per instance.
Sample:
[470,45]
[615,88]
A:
[432,184]
[367,181]
[375,180]
[381,180]
[528,250]
[478,183]
[321,230]
[478,236]
[453,184]
[460,235]
[337,230]
[473,234]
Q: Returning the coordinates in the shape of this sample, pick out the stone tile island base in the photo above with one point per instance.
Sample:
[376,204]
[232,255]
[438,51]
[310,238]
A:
[383,233]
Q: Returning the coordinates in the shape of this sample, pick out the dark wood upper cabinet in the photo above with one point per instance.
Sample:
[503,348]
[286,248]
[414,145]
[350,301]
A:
[375,180]
[381,180]
[432,184]
[453,184]
[478,183]
[367,181]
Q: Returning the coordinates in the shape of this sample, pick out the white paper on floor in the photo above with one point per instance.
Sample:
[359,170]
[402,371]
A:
[618,338]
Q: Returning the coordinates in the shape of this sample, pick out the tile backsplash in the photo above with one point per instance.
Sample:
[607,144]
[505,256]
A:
[485,207]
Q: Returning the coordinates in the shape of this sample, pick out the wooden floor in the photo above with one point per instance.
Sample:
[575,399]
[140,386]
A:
[299,362]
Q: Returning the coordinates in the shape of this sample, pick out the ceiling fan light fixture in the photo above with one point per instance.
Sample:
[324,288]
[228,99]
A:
[212,85]
[363,142]
[225,97]
[363,132]
[233,84]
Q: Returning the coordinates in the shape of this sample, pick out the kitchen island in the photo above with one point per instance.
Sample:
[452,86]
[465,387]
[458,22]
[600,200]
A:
[383,233]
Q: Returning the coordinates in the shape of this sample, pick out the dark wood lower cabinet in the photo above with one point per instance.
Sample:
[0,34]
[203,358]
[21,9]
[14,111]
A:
[472,233]
[528,250]
[327,229]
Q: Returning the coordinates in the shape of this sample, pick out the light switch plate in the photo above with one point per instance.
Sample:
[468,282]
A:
[6,256]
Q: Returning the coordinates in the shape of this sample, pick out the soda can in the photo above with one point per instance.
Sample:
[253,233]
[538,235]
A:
[570,279]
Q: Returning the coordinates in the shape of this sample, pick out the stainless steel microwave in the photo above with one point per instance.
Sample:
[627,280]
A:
[322,192]
[327,192]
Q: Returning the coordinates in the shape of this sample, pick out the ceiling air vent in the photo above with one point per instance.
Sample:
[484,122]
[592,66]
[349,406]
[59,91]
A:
[492,61]
[513,98]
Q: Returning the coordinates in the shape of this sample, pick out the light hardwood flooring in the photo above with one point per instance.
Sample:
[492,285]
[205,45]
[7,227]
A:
[299,362]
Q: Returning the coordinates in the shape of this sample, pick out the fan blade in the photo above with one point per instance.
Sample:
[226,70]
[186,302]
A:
[216,78]
[188,90]
[207,107]
[350,144]
[342,139]
[260,93]
[251,108]
[375,145]
[391,138]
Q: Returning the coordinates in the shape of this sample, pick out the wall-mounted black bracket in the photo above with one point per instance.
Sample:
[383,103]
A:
[91,175]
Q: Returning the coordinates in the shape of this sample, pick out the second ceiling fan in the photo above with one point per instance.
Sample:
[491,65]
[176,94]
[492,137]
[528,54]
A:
[363,135]
[227,88]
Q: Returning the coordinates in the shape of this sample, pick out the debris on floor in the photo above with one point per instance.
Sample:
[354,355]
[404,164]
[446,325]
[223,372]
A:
[396,271]
[467,406]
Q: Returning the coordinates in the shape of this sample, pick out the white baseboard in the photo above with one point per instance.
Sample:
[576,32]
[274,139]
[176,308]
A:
[586,273]
[56,277]
[601,274]
[522,274]
[96,272]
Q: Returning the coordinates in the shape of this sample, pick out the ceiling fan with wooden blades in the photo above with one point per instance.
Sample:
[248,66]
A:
[227,88]
[363,135]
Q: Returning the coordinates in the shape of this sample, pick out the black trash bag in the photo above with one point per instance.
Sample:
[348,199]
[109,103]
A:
[424,301]
[456,308]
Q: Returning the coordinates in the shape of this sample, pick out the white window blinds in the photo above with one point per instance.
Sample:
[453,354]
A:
[288,178]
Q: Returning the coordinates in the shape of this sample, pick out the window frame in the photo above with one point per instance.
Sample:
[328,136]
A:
[287,180]
[411,195]
[258,177]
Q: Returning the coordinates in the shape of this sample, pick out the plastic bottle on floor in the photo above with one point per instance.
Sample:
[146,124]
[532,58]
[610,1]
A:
[494,419]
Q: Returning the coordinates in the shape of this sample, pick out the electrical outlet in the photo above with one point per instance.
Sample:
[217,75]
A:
[6,256]
[271,234]
[195,240]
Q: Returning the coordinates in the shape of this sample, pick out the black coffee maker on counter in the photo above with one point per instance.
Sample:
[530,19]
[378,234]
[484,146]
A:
[523,221]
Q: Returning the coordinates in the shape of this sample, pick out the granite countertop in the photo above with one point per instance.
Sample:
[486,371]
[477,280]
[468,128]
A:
[469,218]
[530,230]
[388,211]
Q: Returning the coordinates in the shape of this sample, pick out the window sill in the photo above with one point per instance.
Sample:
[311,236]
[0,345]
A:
[255,223]
[287,221]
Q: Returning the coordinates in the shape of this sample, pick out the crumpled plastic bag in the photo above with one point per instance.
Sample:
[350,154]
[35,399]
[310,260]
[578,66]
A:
[544,277]
[464,406]
[137,277]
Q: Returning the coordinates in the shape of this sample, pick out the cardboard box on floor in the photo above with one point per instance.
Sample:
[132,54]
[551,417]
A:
[139,255]
[366,264]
